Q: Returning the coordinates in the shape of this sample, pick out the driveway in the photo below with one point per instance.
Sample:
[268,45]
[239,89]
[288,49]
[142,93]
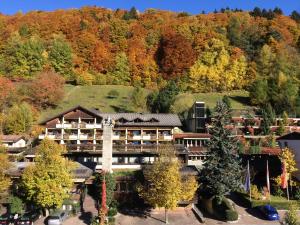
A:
[179,216]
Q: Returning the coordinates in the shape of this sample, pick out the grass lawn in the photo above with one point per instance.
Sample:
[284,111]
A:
[95,96]
[276,201]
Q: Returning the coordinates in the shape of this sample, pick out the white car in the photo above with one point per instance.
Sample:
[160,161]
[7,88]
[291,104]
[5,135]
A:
[57,218]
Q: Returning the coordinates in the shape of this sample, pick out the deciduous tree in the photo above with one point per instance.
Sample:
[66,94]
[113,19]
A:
[47,89]
[175,55]
[5,180]
[48,182]
[60,57]
[164,186]
[19,119]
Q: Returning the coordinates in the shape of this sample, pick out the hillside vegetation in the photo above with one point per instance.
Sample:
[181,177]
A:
[159,61]
[97,96]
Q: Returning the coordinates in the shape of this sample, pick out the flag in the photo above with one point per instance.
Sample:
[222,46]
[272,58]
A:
[247,181]
[268,177]
[103,205]
[284,177]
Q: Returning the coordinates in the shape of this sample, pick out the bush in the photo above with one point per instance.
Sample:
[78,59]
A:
[279,192]
[231,215]
[224,210]
[255,194]
[291,216]
[113,94]
[112,212]
[16,205]
[297,194]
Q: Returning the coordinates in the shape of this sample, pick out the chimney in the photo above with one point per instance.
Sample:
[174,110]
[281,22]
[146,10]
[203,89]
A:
[107,145]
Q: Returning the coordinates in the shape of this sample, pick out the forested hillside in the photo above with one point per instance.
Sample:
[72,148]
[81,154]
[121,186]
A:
[257,51]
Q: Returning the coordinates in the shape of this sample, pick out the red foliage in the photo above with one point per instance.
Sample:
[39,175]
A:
[176,55]
[7,89]
[47,89]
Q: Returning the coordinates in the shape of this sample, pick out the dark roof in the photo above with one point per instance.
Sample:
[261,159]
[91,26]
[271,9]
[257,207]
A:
[290,136]
[129,119]
[11,138]
[144,119]
[92,112]
[80,171]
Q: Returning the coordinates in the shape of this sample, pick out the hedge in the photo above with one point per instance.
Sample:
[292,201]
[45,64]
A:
[225,210]
[231,215]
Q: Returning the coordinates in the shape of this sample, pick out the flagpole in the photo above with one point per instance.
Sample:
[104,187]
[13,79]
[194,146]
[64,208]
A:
[268,181]
[287,191]
[249,181]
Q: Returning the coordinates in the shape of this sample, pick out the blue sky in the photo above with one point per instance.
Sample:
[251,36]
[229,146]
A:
[191,6]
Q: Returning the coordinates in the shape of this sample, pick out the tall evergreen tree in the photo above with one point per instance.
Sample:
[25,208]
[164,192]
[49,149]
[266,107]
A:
[222,169]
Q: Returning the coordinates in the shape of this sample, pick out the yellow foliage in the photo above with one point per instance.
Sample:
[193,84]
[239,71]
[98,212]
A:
[215,70]
[48,182]
[164,186]
[288,157]
[255,194]
[4,165]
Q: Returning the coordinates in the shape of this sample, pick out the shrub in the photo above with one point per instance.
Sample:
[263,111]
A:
[255,194]
[113,94]
[224,210]
[297,194]
[231,215]
[112,212]
[16,205]
[279,192]
[291,216]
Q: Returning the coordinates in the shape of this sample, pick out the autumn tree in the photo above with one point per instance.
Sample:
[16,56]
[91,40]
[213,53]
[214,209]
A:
[19,119]
[175,55]
[5,181]
[120,74]
[215,70]
[60,57]
[7,92]
[47,89]
[164,186]
[48,182]
[24,58]
[223,157]
[288,157]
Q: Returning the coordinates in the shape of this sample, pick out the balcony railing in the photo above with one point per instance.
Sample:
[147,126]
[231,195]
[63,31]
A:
[153,148]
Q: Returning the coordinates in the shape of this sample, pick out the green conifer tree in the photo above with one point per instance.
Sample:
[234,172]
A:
[222,169]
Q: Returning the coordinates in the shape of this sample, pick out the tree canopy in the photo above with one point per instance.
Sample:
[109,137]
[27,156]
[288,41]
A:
[48,182]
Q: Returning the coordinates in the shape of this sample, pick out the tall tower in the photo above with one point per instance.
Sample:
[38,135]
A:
[107,145]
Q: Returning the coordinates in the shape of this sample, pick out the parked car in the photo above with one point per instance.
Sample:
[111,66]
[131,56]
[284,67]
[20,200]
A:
[8,218]
[29,218]
[57,218]
[269,212]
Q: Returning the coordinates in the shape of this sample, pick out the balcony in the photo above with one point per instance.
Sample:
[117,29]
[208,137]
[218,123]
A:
[83,136]
[93,125]
[51,136]
[136,137]
[63,125]
[73,136]
[116,137]
[150,148]
[147,137]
